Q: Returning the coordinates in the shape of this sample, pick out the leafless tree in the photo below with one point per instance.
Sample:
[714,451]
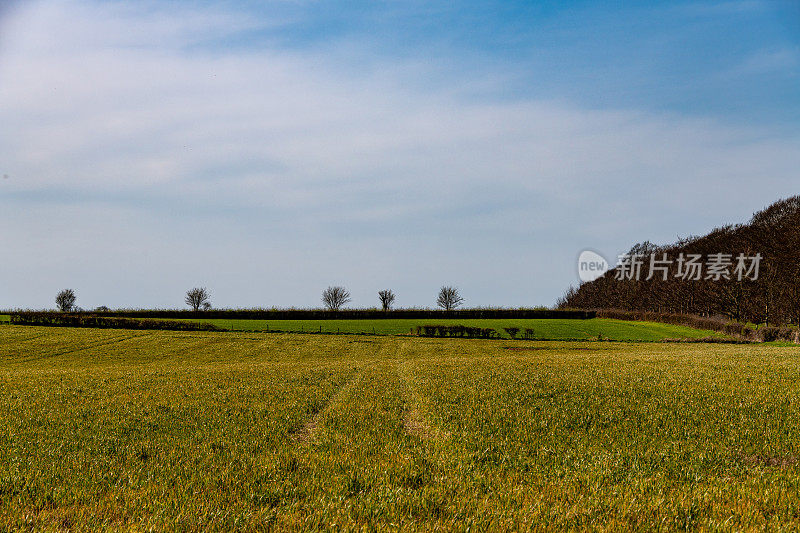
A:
[197,298]
[387,299]
[335,297]
[65,300]
[449,298]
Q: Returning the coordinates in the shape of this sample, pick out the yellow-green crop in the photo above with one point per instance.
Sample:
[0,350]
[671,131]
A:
[159,430]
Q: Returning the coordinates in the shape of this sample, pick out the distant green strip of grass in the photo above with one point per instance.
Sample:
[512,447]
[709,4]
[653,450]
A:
[553,329]
[4,319]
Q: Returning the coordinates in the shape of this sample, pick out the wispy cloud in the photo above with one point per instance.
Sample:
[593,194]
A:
[783,60]
[152,146]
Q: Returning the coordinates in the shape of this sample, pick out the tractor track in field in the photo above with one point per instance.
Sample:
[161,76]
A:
[416,425]
[99,344]
[415,421]
[306,433]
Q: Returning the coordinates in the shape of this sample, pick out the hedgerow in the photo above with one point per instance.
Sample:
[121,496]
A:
[456,331]
[351,314]
[79,320]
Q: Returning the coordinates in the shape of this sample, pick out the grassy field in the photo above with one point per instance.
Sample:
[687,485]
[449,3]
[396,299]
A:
[552,329]
[165,430]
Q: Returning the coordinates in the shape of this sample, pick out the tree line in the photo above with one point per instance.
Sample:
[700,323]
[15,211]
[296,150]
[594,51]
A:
[773,298]
[334,298]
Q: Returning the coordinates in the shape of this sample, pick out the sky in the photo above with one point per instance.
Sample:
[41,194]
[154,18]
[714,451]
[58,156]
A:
[269,149]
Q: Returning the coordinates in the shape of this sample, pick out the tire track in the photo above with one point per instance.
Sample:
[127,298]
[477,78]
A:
[415,421]
[68,351]
[305,434]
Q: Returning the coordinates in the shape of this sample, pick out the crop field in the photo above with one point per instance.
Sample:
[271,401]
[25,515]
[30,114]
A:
[133,430]
[550,329]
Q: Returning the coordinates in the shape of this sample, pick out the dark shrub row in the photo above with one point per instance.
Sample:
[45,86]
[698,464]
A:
[457,331]
[94,321]
[770,334]
[350,314]
[708,340]
[677,319]
[734,329]
[470,332]
[527,333]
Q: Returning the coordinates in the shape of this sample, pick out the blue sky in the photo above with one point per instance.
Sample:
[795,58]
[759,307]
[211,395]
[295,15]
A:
[269,149]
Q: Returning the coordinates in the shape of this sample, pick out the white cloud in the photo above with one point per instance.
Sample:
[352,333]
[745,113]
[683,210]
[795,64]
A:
[122,113]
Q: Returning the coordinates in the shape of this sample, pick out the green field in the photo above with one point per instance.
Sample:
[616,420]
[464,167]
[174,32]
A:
[137,430]
[552,329]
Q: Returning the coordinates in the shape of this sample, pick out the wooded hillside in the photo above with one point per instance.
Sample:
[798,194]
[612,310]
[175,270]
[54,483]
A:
[773,297]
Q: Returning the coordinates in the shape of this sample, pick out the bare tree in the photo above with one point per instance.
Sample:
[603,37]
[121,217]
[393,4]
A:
[197,298]
[449,298]
[335,297]
[387,299]
[65,300]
